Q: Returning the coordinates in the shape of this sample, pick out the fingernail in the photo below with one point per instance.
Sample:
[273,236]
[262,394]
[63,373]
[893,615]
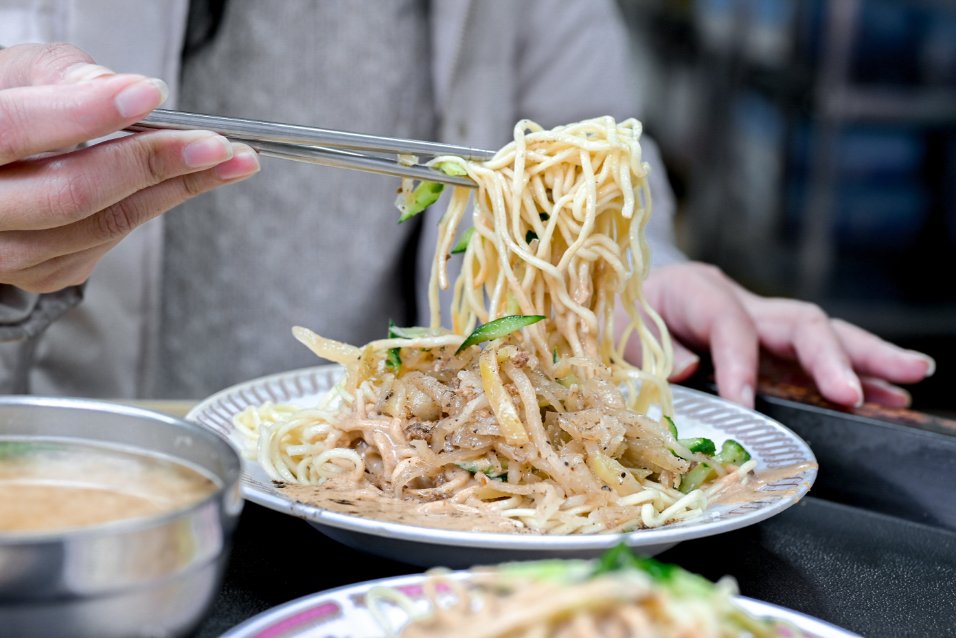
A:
[903,398]
[930,363]
[244,162]
[854,382]
[84,72]
[208,151]
[142,97]
[684,362]
[747,396]
[906,399]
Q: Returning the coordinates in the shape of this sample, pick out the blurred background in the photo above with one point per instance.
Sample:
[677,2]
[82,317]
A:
[812,148]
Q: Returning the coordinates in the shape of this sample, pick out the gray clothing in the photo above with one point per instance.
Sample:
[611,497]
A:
[282,245]
[23,318]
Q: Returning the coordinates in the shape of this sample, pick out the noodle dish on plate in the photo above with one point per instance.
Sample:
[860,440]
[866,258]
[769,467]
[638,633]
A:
[518,417]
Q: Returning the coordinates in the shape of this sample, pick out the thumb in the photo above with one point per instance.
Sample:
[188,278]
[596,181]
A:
[41,64]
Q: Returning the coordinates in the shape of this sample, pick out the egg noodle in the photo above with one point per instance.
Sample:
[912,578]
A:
[541,427]
[568,599]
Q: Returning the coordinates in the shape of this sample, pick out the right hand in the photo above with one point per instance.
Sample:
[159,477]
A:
[60,212]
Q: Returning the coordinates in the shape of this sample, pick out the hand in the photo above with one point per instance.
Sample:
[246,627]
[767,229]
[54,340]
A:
[705,309]
[61,212]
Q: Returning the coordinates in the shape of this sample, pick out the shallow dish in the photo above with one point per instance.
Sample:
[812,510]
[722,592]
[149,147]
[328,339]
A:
[697,414]
[148,576]
[342,612]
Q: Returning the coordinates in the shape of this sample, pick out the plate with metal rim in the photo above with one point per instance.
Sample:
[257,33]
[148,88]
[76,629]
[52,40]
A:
[771,444]
[343,612]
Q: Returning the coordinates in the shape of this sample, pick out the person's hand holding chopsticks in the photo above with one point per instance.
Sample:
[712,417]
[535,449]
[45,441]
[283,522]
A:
[61,211]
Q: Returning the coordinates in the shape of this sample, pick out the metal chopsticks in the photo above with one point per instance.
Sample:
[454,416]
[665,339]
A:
[327,147]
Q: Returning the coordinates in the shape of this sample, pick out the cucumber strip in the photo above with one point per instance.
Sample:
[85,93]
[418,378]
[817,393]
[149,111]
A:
[462,243]
[699,445]
[424,195]
[671,425]
[498,328]
[732,453]
[697,476]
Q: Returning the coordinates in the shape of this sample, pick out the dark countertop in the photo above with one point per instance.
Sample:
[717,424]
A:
[871,573]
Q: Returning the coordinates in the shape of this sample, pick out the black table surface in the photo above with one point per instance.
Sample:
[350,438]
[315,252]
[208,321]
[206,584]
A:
[871,573]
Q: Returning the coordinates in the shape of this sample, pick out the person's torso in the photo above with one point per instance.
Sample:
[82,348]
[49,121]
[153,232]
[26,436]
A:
[296,244]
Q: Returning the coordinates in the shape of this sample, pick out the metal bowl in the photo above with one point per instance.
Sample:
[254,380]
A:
[152,576]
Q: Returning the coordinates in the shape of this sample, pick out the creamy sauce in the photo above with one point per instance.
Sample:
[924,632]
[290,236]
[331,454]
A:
[751,490]
[344,497]
[57,485]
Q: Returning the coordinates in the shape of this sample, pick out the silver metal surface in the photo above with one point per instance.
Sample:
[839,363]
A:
[321,146]
[142,577]
[355,161]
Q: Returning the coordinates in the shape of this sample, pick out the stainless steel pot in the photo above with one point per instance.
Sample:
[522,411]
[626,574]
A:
[142,577]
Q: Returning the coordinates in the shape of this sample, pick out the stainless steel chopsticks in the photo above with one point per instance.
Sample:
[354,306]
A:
[327,147]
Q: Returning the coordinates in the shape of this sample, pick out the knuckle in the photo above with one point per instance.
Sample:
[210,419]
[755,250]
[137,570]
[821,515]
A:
[811,313]
[14,259]
[7,265]
[140,158]
[54,56]
[64,274]
[710,271]
[49,281]
[193,185]
[70,198]
[11,131]
[44,283]
[153,168]
[116,221]
[841,325]
[713,270]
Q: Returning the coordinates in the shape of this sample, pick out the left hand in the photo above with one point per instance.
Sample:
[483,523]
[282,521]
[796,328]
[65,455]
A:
[705,309]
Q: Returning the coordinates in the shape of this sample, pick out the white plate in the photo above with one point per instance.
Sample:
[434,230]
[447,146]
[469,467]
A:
[697,414]
[342,612]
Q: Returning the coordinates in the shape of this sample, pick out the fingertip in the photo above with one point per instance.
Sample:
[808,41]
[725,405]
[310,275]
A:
[747,396]
[743,396]
[847,391]
[929,361]
[139,98]
[685,372]
[902,366]
[736,378]
[886,394]
[244,163]
[208,150]
[856,390]
[685,364]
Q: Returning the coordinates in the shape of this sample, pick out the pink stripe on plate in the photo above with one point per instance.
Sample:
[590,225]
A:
[321,612]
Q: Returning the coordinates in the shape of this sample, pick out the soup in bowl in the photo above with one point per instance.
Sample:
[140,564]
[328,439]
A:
[114,521]
[53,485]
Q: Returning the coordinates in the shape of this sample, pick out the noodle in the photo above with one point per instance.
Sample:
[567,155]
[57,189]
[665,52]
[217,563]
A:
[532,429]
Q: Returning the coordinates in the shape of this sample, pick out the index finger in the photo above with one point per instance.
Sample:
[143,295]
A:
[734,349]
[35,119]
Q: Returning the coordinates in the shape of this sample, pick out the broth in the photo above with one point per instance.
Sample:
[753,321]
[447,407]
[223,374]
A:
[49,485]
